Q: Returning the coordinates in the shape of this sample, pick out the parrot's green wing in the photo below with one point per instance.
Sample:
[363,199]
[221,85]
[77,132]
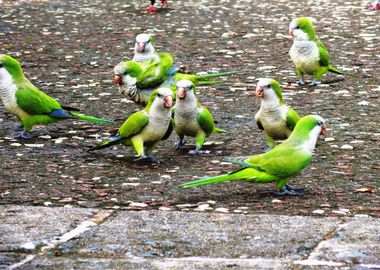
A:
[205,120]
[154,73]
[134,124]
[260,126]
[34,101]
[292,118]
[324,59]
[281,161]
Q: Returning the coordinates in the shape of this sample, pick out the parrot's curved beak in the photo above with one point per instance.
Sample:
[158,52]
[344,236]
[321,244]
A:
[324,129]
[118,80]
[181,93]
[168,102]
[259,92]
[141,47]
[290,32]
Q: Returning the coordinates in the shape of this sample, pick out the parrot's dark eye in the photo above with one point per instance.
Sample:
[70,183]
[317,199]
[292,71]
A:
[159,95]
[1,65]
[297,27]
[320,123]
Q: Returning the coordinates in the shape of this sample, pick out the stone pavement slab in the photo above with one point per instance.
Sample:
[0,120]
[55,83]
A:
[77,238]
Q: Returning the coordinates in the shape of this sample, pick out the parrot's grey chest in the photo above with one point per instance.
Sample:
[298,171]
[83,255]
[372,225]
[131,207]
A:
[185,120]
[8,93]
[305,55]
[273,121]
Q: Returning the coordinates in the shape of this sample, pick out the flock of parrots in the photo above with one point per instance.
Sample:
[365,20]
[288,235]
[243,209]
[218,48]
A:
[151,80]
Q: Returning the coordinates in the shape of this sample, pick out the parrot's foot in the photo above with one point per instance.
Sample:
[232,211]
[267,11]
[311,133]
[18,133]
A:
[179,144]
[15,128]
[164,3]
[147,159]
[375,7]
[314,83]
[289,190]
[197,152]
[151,9]
[300,82]
[24,135]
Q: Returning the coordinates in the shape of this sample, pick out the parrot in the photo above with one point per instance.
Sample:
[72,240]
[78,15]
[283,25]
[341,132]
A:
[308,54]
[375,5]
[144,49]
[30,105]
[279,164]
[164,3]
[136,81]
[274,117]
[144,129]
[191,118]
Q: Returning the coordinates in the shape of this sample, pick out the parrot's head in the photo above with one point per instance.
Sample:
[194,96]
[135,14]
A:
[144,44]
[10,69]
[310,126]
[269,91]
[126,74]
[185,90]
[302,29]
[161,99]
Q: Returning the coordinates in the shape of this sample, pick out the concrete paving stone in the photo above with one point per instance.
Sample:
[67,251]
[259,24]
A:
[155,264]
[25,228]
[357,241]
[177,234]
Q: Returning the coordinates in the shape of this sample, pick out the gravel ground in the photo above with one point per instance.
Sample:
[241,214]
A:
[69,48]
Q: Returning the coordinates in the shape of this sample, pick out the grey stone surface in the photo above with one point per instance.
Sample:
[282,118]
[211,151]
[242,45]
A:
[176,234]
[357,241]
[25,228]
[156,264]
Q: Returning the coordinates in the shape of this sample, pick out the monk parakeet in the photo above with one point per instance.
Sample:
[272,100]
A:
[28,103]
[375,5]
[137,81]
[308,54]
[191,118]
[164,3]
[146,128]
[274,117]
[279,164]
[144,49]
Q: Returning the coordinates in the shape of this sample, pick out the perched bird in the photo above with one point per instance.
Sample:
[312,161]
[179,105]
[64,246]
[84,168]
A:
[164,3]
[279,164]
[137,81]
[274,117]
[308,54]
[144,49]
[31,106]
[191,118]
[375,5]
[146,128]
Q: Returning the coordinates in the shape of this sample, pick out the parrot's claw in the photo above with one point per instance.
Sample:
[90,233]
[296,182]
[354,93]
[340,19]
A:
[179,144]
[289,190]
[314,83]
[300,82]
[23,135]
[197,152]
[151,9]
[147,159]
[164,3]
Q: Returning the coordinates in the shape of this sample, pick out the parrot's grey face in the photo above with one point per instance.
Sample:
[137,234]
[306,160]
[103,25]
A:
[320,126]
[264,89]
[184,88]
[5,77]
[143,44]
[296,32]
[164,97]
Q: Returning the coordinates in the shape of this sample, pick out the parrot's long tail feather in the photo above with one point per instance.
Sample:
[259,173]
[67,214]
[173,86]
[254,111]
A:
[111,141]
[207,78]
[219,130]
[335,70]
[91,118]
[209,82]
[211,180]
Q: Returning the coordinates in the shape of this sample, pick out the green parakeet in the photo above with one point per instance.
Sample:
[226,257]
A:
[31,106]
[274,117]
[190,117]
[146,128]
[308,54]
[144,49]
[279,164]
